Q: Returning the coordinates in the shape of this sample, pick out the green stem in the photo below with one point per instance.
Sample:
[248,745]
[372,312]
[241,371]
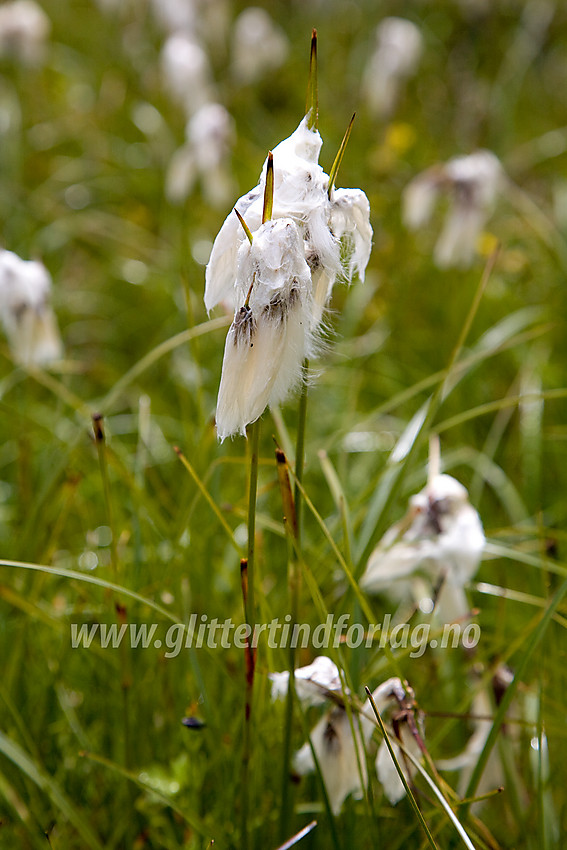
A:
[293,530]
[254,441]
[247,578]
[300,450]
[100,441]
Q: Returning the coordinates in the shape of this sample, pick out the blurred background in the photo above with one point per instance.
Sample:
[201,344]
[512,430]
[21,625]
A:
[128,129]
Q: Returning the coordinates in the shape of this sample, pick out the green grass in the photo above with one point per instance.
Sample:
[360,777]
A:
[92,748]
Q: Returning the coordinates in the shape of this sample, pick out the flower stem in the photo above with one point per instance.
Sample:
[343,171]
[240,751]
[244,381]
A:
[248,595]
[292,505]
[300,450]
[290,524]
[254,441]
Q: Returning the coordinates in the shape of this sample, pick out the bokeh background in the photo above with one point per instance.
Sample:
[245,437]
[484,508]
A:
[92,749]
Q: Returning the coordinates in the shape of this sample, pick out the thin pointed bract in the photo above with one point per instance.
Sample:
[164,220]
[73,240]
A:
[339,157]
[268,190]
[247,230]
[312,100]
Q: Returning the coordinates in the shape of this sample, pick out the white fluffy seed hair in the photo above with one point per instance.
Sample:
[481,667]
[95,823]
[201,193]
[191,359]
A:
[270,338]
[472,184]
[441,535]
[313,683]
[341,756]
[28,320]
[300,192]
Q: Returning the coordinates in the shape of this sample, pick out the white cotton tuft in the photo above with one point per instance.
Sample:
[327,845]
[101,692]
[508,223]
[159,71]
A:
[176,15]
[387,696]
[340,756]
[442,534]
[386,770]
[300,193]
[27,317]
[350,221]
[271,335]
[313,683]
[472,184]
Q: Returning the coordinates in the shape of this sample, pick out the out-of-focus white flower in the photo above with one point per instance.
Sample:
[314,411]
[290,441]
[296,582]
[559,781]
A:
[258,45]
[176,15]
[388,695]
[313,683]
[386,771]
[300,193]
[24,30]
[204,19]
[442,534]
[210,134]
[27,317]
[186,72]
[270,335]
[341,755]
[399,46]
[472,184]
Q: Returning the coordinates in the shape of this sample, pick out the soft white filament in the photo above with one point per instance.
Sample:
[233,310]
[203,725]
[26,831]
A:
[27,317]
[269,337]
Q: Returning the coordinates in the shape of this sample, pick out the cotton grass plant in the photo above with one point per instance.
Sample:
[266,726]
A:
[110,526]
